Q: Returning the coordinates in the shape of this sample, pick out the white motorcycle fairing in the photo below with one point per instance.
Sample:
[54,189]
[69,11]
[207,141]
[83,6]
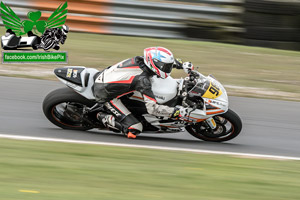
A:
[79,78]
[214,95]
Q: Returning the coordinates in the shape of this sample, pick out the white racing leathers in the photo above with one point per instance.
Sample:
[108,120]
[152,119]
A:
[125,78]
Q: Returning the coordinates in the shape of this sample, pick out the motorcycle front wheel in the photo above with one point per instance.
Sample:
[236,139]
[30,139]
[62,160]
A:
[229,125]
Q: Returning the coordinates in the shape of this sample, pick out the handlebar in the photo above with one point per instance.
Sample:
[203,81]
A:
[193,74]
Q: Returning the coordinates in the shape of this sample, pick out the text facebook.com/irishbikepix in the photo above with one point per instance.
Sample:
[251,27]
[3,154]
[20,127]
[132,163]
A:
[37,32]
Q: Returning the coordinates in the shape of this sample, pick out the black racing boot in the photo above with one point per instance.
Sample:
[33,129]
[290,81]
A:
[109,121]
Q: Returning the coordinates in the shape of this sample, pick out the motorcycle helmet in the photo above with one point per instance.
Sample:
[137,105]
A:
[65,29]
[160,60]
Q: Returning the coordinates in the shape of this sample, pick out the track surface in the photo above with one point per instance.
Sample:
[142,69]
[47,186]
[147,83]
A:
[269,126]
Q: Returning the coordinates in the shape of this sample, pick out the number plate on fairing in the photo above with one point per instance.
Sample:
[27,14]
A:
[212,92]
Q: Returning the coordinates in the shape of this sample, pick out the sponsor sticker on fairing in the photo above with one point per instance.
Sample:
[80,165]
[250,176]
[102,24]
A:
[75,72]
[69,73]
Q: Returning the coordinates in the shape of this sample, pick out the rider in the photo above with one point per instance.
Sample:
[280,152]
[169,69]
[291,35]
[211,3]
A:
[134,75]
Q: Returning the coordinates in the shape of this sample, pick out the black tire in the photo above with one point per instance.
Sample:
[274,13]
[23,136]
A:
[273,34]
[270,20]
[283,7]
[58,97]
[230,116]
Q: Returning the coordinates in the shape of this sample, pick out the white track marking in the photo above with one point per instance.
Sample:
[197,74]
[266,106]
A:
[244,155]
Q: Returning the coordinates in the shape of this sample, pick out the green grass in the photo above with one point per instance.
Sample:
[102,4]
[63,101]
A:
[262,68]
[78,171]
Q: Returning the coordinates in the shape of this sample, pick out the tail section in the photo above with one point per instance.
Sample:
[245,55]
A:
[79,78]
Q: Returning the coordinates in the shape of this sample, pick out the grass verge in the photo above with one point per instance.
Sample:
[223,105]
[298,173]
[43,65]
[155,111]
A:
[51,171]
[258,72]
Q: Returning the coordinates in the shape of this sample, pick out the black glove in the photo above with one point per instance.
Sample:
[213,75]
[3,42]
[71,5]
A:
[178,63]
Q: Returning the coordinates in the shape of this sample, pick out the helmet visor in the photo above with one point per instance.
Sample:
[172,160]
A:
[165,67]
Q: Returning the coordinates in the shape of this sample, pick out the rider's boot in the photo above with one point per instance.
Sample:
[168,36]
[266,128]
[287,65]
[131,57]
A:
[109,121]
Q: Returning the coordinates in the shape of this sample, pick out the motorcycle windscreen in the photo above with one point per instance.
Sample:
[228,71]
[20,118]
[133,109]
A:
[200,88]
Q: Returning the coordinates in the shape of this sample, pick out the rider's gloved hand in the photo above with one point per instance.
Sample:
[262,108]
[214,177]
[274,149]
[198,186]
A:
[178,63]
[187,67]
[179,112]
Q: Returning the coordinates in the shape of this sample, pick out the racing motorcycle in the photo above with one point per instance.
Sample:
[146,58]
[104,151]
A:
[49,42]
[51,39]
[209,118]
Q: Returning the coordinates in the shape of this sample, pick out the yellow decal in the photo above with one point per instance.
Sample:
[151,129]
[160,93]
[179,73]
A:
[177,113]
[212,92]
[213,122]
[69,73]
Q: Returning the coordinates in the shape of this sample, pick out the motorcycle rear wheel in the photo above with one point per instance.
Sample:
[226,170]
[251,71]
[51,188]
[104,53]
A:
[64,107]
[229,125]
